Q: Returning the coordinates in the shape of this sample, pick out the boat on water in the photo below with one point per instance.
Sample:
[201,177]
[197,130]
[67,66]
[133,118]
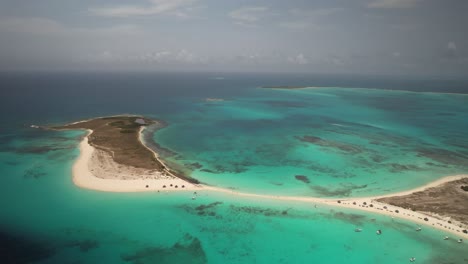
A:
[378,232]
[446,238]
[412,259]
[357,230]
[418,229]
[460,240]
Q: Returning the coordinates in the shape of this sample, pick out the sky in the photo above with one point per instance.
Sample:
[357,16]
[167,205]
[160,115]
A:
[390,37]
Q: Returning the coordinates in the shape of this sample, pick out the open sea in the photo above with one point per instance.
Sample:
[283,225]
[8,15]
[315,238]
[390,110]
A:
[348,137]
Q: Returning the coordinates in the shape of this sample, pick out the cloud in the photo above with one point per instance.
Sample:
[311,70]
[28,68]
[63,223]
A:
[33,25]
[155,7]
[299,19]
[393,3]
[451,50]
[315,13]
[299,59]
[451,46]
[248,16]
[163,57]
[49,27]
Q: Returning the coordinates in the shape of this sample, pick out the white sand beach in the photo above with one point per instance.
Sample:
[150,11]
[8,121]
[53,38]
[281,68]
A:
[85,178]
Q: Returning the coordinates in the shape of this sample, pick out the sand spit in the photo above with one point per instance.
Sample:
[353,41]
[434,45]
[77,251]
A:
[94,170]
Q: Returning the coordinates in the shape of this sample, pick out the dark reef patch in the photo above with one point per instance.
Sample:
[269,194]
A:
[320,169]
[256,210]
[377,158]
[187,250]
[443,156]
[202,210]
[343,147]
[84,245]
[288,104]
[355,219]
[208,170]
[277,183]
[193,166]
[238,167]
[397,168]
[344,191]
[35,149]
[11,162]
[18,250]
[34,173]
[302,178]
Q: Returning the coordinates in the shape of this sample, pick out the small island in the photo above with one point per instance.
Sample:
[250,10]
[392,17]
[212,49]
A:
[115,158]
[288,87]
[446,201]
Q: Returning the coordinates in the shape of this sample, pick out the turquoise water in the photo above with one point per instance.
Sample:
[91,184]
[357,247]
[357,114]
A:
[347,142]
[364,142]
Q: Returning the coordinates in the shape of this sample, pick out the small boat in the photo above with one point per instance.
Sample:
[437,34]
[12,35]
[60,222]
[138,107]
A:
[378,232]
[193,197]
[357,230]
[34,126]
[460,240]
[446,238]
[418,229]
[412,259]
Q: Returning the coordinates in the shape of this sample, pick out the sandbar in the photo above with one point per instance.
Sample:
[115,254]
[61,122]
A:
[102,173]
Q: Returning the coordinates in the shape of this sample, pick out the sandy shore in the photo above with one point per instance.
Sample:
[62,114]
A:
[84,177]
[364,204]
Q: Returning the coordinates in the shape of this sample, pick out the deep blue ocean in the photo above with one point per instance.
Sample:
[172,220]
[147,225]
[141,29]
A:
[348,136]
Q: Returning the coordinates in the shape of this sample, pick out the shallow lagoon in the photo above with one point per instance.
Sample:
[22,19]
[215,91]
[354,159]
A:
[342,141]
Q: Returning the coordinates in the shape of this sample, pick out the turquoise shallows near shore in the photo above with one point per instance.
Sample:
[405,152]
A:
[367,141]
[386,140]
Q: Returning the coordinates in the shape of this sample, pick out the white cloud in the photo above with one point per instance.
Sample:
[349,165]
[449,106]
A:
[154,7]
[299,59]
[248,16]
[393,3]
[451,46]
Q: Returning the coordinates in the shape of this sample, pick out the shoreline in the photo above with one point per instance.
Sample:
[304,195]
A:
[354,88]
[84,178]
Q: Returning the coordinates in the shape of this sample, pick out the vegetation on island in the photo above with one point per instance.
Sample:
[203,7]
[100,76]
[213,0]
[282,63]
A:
[120,137]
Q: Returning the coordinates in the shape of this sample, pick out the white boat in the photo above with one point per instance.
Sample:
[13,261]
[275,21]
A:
[357,230]
[378,232]
[418,229]
[412,259]
[34,126]
[460,240]
[446,238]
